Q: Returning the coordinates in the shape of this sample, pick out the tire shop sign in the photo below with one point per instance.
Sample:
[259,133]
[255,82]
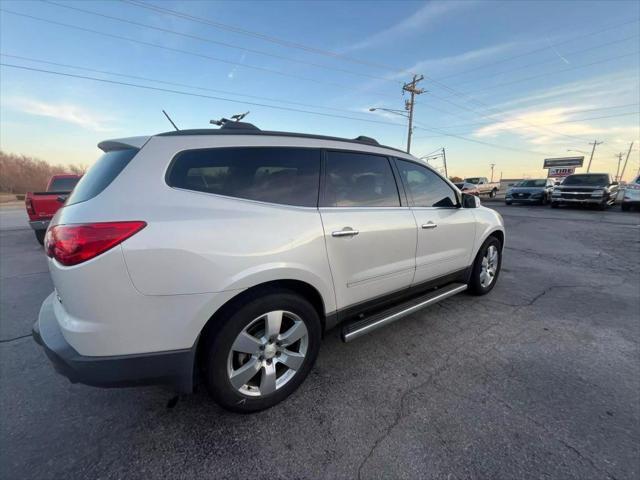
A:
[562,167]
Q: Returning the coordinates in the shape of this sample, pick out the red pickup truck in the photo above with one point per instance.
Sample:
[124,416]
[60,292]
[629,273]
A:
[42,206]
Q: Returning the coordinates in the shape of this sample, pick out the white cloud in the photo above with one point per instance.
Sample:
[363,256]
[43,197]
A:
[64,112]
[427,14]
[544,126]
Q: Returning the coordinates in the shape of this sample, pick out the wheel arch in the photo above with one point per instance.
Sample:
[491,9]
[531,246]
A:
[304,289]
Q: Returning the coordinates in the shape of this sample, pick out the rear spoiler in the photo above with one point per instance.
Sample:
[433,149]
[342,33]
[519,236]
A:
[123,143]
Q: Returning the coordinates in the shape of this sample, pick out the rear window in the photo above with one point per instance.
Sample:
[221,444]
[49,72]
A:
[289,176]
[64,184]
[101,174]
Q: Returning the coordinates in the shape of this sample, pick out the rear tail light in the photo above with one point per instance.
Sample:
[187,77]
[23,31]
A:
[29,205]
[74,244]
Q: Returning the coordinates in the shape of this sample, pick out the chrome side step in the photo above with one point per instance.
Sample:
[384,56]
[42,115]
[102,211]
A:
[359,328]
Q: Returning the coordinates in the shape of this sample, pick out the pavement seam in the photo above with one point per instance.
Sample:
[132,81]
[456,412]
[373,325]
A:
[7,340]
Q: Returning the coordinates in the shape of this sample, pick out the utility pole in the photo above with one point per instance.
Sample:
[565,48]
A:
[444,159]
[595,144]
[626,160]
[618,169]
[409,104]
[492,166]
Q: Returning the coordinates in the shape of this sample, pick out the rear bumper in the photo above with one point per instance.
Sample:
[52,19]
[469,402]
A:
[173,368]
[39,224]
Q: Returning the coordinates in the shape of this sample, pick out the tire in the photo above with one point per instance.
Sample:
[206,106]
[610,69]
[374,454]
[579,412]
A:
[221,362]
[477,284]
[555,204]
[508,203]
[40,236]
[625,208]
[603,206]
[493,193]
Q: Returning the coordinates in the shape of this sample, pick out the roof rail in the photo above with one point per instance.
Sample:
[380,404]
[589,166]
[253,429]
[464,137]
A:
[369,140]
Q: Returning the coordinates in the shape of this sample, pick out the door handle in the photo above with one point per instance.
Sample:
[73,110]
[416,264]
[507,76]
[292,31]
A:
[345,232]
[429,225]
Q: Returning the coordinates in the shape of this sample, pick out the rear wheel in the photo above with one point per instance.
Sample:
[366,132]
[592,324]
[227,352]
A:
[493,193]
[508,203]
[263,352]
[486,267]
[40,236]
[625,207]
[555,204]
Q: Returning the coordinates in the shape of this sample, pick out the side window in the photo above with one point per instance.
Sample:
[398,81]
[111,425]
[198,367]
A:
[425,187]
[359,180]
[288,176]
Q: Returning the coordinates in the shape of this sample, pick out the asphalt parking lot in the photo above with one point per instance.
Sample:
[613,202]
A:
[539,379]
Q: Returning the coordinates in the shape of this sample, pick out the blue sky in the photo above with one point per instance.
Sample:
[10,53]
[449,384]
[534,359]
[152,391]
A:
[508,83]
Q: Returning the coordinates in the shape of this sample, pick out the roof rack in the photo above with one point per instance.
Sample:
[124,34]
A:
[228,125]
[243,128]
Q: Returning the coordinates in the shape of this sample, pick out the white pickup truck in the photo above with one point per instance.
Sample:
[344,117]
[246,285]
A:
[483,186]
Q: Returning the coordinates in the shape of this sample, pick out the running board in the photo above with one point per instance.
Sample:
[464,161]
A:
[359,328]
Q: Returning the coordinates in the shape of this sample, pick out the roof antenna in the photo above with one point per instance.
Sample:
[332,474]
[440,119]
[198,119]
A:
[169,118]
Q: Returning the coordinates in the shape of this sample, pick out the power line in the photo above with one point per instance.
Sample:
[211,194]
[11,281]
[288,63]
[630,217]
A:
[541,49]
[488,107]
[261,36]
[546,74]
[217,42]
[175,84]
[186,52]
[167,90]
[528,65]
[178,92]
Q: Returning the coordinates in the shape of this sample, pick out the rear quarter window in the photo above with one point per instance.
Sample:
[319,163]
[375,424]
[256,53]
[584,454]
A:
[101,174]
[288,176]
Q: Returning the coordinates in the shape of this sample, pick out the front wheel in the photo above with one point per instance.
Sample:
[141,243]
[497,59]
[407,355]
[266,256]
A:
[263,352]
[486,267]
[555,204]
[625,207]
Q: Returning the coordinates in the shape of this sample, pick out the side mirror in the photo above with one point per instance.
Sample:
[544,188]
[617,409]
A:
[614,183]
[557,183]
[62,198]
[470,201]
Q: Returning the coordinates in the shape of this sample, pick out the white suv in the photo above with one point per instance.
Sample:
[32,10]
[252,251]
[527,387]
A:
[223,255]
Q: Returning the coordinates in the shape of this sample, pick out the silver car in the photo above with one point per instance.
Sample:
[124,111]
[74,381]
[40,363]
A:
[536,191]
[631,195]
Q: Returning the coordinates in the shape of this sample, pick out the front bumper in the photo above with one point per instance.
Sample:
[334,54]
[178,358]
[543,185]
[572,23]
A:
[39,224]
[173,368]
[584,201]
[522,200]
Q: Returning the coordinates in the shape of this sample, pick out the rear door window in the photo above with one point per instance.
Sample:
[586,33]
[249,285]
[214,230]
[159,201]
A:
[359,180]
[288,176]
[101,174]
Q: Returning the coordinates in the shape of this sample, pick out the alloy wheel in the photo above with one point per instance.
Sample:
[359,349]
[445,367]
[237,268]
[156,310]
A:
[489,266]
[267,353]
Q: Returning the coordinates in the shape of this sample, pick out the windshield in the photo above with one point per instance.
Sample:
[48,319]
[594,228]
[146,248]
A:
[587,180]
[532,183]
[474,180]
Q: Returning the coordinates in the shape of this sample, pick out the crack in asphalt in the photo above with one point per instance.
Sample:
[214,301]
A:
[7,340]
